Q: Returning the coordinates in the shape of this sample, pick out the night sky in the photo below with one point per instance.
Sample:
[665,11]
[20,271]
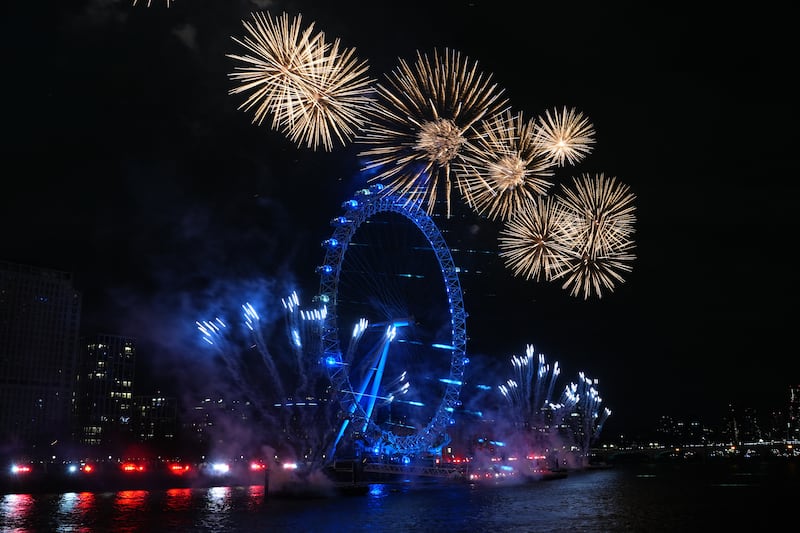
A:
[129,165]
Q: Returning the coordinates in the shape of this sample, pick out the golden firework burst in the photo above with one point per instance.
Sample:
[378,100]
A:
[505,167]
[600,218]
[535,243]
[567,135]
[314,91]
[421,122]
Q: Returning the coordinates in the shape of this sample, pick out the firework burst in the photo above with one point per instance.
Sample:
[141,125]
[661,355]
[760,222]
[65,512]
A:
[535,243]
[422,121]
[600,222]
[567,135]
[315,91]
[505,168]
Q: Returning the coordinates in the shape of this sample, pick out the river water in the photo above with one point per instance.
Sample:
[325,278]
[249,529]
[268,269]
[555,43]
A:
[728,496]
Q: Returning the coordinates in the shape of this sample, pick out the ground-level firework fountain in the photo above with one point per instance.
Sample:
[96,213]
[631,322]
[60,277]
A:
[285,385]
[541,425]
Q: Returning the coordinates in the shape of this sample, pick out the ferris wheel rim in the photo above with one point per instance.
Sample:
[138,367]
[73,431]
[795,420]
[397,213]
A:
[365,204]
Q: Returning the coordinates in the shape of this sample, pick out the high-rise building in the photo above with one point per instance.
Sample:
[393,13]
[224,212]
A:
[104,404]
[39,327]
[155,418]
[793,422]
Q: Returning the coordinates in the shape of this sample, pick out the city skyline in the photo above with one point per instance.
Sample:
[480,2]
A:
[141,177]
[115,407]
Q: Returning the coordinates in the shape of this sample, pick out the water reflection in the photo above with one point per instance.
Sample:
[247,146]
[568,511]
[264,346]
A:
[129,506]
[255,496]
[74,511]
[178,499]
[218,499]
[636,498]
[16,510]
[217,507]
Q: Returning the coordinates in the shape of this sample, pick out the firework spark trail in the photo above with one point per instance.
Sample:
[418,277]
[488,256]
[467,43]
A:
[556,371]
[566,135]
[539,422]
[525,394]
[314,91]
[303,329]
[421,122]
[216,333]
[304,418]
[252,321]
[358,332]
[542,369]
[536,243]
[602,213]
[300,421]
[505,168]
[602,420]
[587,407]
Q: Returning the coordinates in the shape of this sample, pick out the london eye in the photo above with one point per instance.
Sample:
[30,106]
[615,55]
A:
[394,337]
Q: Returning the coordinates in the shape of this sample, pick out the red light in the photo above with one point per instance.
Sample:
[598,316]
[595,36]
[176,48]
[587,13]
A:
[257,467]
[132,467]
[179,469]
[21,469]
[88,468]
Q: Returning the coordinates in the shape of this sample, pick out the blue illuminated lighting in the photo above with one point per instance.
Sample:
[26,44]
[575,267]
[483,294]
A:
[443,346]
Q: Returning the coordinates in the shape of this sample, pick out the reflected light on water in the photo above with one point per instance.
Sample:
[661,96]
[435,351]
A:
[74,508]
[255,496]
[377,490]
[68,502]
[217,509]
[218,499]
[178,499]
[128,506]
[15,510]
[130,501]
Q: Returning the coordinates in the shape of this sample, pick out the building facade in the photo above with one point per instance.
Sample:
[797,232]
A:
[39,327]
[155,418]
[104,404]
[793,422]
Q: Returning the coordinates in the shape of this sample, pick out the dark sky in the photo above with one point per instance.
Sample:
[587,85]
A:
[129,165]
